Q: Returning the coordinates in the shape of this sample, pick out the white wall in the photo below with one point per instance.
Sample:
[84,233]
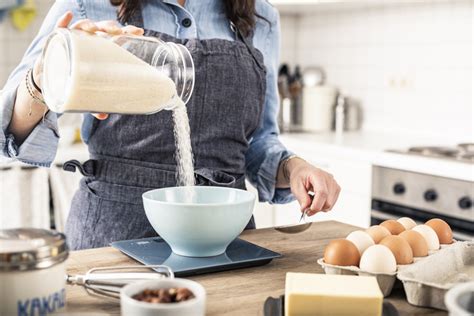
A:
[14,43]
[289,40]
[409,64]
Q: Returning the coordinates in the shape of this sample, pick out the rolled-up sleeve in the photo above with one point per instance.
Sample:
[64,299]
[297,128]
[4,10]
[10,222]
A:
[266,151]
[39,148]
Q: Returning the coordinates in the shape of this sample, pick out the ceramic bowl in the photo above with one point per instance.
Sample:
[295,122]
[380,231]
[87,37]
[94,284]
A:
[460,299]
[198,221]
[193,307]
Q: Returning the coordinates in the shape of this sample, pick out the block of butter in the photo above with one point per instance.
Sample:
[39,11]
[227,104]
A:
[327,294]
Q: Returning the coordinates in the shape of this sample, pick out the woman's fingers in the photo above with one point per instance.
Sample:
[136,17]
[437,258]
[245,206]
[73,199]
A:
[321,193]
[85,25]
[301,194]
[306,178]
[110,27]
[100,116]
[133,30]
[65,19]
[333,196]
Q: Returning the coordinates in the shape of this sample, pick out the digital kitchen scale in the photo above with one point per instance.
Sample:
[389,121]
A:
[155,251]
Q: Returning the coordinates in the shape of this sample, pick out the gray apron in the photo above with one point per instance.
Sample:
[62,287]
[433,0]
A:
[131,154]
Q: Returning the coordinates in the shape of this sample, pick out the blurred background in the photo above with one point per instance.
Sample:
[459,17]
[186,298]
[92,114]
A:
[380,93]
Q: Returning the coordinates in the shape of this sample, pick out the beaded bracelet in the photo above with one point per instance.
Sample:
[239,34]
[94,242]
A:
[31,90]
[34,83]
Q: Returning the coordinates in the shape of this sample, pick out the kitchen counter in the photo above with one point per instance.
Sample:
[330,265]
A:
[236,292]
[371,147]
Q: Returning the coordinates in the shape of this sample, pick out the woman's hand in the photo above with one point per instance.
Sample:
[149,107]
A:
[305,178]
[109,27]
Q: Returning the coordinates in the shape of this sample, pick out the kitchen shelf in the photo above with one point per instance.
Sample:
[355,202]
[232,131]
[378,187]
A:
[298,7]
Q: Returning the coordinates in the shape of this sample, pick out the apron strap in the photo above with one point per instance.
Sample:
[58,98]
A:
[85,169]
[149,175]
[247,40]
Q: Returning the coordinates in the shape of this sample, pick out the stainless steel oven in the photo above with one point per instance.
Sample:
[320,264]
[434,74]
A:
[398,193]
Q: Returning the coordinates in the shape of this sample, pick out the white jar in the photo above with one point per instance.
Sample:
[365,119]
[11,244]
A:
[32,271]
[126,74]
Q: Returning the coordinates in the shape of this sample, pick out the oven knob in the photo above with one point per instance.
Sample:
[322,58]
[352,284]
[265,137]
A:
[465,203]
[399,188]
[430,196]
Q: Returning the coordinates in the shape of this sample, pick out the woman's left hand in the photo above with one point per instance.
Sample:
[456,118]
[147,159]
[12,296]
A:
[305,178]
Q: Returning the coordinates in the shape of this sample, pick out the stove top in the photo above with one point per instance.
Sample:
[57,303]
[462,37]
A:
[462,152]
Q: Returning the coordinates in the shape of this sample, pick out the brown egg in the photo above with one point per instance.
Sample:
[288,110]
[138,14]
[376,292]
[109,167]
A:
[417,242]
[393,226]
[400,248]
[377,233]
[442,229]
[341,252]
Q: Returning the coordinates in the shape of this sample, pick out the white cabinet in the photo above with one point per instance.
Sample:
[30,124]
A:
[24,197]
[26,192]
[353,175]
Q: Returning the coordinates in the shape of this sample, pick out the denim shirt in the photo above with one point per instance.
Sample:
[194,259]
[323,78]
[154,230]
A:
[208,20]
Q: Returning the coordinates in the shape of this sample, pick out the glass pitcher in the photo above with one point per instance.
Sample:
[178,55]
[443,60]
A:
[126,74]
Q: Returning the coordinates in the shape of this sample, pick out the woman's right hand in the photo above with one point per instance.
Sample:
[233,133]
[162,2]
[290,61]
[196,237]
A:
[109,27]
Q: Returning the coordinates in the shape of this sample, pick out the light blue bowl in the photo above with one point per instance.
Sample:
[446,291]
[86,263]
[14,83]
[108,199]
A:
[203,226]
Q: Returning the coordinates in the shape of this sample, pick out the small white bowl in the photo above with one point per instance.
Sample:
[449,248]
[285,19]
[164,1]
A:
[460,299]
[193,307]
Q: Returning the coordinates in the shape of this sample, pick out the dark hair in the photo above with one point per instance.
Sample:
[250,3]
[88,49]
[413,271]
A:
[241,12]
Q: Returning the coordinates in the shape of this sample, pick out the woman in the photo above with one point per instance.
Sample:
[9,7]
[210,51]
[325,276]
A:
[232,113]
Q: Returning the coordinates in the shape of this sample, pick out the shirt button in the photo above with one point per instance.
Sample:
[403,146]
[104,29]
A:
[186,22]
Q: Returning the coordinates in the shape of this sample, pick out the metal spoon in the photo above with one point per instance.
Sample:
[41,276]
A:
[294,229]
[298,228]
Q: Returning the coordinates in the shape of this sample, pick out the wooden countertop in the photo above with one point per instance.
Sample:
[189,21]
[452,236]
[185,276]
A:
[235,292]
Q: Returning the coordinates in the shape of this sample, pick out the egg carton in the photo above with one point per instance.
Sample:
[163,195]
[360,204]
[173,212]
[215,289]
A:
[430,253]
[385,280]
[426,284]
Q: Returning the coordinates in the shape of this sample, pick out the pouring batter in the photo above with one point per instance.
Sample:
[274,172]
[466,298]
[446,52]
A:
[233,116]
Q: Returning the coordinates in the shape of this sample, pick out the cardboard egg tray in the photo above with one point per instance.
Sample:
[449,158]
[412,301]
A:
[419,290]
[427,282]
[385,280]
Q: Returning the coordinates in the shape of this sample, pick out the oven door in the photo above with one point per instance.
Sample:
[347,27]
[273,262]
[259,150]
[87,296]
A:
[382,211]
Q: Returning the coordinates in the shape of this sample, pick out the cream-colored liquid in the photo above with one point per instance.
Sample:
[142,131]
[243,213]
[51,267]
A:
[105,78]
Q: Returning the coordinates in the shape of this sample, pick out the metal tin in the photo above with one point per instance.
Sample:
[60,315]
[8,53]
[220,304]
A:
[24,249]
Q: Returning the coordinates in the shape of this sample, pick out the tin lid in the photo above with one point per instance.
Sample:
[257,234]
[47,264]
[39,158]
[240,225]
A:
[31,249]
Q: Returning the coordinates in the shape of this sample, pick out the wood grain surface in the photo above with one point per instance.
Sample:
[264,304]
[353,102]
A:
[236,292]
